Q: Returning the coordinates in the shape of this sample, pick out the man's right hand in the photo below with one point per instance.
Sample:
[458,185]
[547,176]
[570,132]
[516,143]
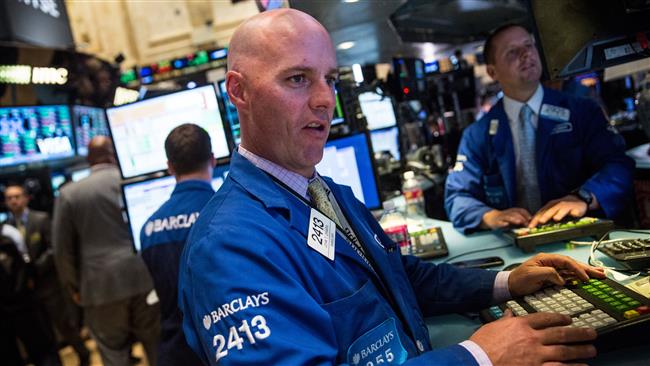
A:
[535,339]
[497,219]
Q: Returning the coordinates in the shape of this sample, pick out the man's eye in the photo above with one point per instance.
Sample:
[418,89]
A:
[297,78]
[331,81]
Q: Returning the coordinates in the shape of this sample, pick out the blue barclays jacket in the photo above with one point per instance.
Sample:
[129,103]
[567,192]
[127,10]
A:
[163,238]
[253,292]
[574,148]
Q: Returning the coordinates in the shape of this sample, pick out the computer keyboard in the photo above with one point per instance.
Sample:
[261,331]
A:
[528,238]
[619,315]
[632,253]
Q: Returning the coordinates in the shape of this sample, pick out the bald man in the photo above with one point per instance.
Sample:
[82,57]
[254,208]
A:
[286,267]
[96,262]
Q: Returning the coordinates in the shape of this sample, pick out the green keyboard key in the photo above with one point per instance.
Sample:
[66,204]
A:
[627,299]
[587,287]
[598,293]
[619,296]
[622,308]
[608,299]
[634,303]
[615,303]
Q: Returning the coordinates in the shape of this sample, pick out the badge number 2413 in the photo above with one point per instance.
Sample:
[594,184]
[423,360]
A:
[257,330]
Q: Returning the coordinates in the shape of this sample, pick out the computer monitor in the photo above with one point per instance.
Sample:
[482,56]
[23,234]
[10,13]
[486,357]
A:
[37,133]
[348,161]
[230,113]
[79,174]
[386,139]
[339,114]
[578,36]
[378,110]
[143,198]
[58,179]
[88,122]
[139,129]
[219,176]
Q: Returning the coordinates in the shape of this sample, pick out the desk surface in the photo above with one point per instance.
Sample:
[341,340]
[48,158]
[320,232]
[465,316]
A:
[454,328]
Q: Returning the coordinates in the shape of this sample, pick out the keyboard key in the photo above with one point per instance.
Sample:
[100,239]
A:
[630,314]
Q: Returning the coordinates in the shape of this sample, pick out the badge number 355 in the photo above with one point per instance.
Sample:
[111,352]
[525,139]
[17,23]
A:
[259,331]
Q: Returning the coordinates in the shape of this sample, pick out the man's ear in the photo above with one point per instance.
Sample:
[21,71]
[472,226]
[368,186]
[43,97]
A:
[170,169]
[491,71]
[235,88]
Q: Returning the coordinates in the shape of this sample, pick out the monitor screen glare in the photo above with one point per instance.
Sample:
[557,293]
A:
[29,134]
[139,129]
[378,110]
[348,161]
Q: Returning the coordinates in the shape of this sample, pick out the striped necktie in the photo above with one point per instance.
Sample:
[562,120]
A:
[528,195]
[321,201]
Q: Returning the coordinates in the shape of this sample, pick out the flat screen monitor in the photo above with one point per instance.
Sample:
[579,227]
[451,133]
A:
[230,113]
[88,122]
[57,180]
[348,161]
[79,174]
[386,139]
[339,115]
[378,110]
[31,134]
[139,129]
[143,198]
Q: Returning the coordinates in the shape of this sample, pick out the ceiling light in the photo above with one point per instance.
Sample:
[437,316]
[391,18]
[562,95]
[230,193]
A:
[350,1]
[345,45]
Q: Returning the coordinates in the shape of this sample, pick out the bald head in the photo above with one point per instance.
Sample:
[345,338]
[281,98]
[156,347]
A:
[100,151]
[265,34]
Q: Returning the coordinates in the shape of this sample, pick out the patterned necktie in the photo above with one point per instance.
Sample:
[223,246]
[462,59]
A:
[321,201]
[527,185]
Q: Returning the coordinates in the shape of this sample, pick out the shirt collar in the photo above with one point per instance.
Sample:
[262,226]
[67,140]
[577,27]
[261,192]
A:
[513,107]
[293,180]
[23,216]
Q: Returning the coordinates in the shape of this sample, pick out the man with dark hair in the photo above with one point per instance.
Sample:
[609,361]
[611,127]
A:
[35,227]
[190,160]
[96,263]
[539,154]
[286,267]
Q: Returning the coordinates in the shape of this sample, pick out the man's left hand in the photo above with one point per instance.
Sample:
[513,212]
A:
[548,269]
[558,209]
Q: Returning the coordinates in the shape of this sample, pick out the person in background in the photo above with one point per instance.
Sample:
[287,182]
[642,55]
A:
[21,315]
[286,267]
[35,227]
[96,263]
[539,155]
[190,161]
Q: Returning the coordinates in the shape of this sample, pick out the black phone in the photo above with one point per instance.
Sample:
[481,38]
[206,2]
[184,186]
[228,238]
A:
[480,263]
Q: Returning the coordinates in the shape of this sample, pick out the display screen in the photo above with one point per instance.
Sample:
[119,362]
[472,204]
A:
[339,116]
[57,180]
[80,174]
[230,113]
[386,140]
[348,161]
[139,129]
[30,134]
[88,122]
[143,198]
[378,110]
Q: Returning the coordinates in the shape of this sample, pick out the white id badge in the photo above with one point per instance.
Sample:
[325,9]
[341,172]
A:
[322,234]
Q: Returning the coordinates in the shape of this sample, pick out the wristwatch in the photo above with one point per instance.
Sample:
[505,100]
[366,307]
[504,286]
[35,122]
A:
[584,195]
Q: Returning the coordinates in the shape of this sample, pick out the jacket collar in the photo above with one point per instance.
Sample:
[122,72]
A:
[192,184]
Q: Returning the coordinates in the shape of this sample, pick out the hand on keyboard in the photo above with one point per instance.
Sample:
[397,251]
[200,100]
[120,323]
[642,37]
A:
[546,269]
[536,339]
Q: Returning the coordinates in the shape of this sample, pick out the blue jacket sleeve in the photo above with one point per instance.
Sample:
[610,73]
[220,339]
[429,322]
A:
[258,309]
[604,150]
[464,196]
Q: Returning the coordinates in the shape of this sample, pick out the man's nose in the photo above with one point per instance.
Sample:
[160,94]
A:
[322,96]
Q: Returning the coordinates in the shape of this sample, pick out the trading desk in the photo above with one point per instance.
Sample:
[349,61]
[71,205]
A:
[454,328]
